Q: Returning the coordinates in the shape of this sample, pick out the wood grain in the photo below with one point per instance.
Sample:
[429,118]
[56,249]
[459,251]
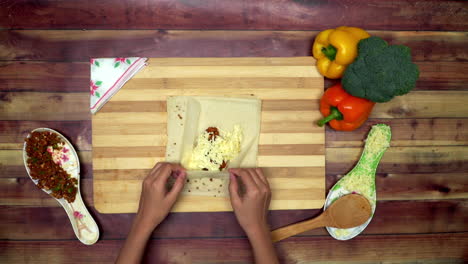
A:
[279,151]
[73,77]
[225,14]
[435,248]
[23,192]
[35,106]
[14,132]
[405,132]
[408,132]
[430,216]
[390,186]
[398,160]
[44,76]
[431,159]
[419,182]
[78,45]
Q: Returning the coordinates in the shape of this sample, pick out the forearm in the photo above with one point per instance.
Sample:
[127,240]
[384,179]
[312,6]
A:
[134,246]
[262,245]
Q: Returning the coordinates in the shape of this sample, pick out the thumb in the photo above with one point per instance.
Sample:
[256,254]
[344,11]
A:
[177,187]
[233,189]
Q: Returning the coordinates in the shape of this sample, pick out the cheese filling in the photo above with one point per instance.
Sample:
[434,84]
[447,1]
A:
[211,151]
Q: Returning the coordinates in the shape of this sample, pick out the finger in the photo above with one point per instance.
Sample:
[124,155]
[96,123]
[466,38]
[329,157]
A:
[153,171]
[176,188]
[260,183]
[177,170]
[255,178]
[245,178]
[262,176]
[163,174]
[166,170]
[234,189]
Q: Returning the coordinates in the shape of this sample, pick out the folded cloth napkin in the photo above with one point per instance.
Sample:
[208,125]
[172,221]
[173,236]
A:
[108,75]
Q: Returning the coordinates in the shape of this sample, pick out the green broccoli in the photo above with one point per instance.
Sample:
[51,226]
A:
[380,72]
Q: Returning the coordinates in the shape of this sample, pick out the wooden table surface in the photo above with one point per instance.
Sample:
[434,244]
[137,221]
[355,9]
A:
[422,182]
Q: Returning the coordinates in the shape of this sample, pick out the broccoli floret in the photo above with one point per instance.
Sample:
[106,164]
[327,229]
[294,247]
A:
[380,72]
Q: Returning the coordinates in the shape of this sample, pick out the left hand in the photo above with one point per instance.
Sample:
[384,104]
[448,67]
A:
[155,200]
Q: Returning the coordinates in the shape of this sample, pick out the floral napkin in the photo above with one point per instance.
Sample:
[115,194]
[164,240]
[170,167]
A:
[108,75]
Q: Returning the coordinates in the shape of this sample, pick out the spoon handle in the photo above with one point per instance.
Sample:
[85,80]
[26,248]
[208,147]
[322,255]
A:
[297,228]
[83,224]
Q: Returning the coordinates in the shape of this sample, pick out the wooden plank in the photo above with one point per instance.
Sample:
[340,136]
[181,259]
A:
[129,118]
[74,77]
[432,159]
[259,14]
[44,106]
[231,71]
[228,81]
[79,45]
[291,161]
[390,186]
[434,248]
[400,217]
[14,132]
[44,76]
[160,106]
[407,132]
[423,104]
[240,61]
[264,94]
[397,160]
[423,186]
[160,128]
[73,107]
[442,75]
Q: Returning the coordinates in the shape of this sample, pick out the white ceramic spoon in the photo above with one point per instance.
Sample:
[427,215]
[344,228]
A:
[84,226]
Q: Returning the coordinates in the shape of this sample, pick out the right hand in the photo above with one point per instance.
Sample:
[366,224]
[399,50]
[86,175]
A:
[252,208]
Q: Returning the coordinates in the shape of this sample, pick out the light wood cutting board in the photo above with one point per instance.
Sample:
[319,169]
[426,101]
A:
[129,132]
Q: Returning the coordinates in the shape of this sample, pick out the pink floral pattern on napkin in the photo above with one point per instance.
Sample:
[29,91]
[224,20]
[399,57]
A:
[121,61]
[93,88]
[108,75]
[94,62]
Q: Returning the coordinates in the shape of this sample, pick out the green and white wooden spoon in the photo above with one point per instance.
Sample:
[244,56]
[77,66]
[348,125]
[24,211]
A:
[361,179]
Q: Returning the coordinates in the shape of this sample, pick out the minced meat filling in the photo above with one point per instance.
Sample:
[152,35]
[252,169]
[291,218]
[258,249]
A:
[50,175]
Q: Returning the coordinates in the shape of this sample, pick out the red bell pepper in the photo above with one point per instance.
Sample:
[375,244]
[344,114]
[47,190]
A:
[343,111]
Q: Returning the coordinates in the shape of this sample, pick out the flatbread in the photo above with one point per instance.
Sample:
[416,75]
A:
[189,116]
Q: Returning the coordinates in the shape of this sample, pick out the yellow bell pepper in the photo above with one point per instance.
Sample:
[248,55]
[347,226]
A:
[335,49]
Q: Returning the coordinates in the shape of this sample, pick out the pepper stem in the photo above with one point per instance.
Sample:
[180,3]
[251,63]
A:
[334,114]
[330,52]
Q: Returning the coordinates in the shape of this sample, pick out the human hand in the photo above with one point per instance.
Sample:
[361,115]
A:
[251,209]
[155,200]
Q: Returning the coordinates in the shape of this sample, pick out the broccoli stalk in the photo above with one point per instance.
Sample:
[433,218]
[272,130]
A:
[380,71]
